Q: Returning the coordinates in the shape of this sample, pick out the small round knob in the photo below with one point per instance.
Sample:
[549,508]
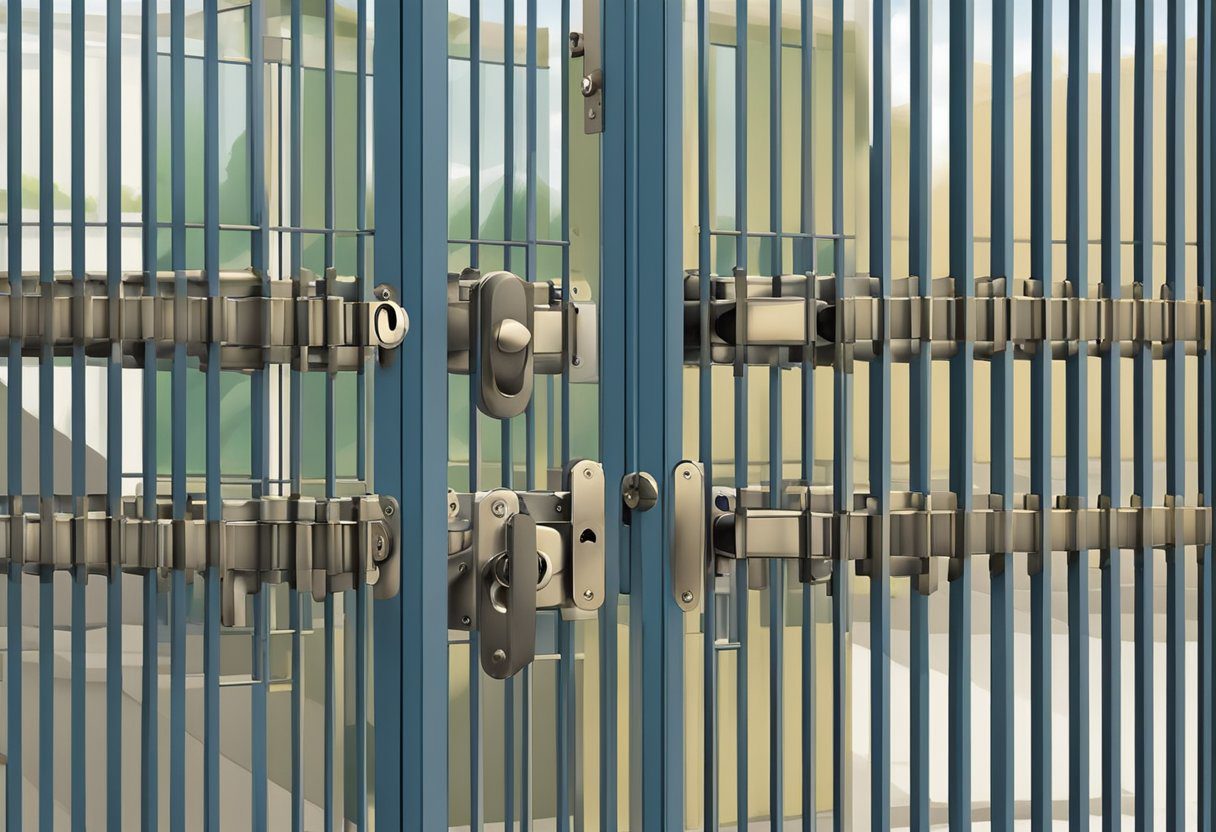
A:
[512,336]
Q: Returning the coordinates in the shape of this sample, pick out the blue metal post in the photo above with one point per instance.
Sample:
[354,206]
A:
[411,676]
[1112,422]
[962,391]
[1077,409]
[1142,398]
[1002,418]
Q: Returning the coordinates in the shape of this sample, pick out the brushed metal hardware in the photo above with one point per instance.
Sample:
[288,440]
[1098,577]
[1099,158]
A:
[586,45]
[320,546]
[503,330]
[688,551]
[555,538]
[310,324]
[639,491]
[750,324]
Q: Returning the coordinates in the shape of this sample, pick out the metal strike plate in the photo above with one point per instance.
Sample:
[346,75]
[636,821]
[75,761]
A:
[688,550]
[586,485]
[502,330]
[586,44]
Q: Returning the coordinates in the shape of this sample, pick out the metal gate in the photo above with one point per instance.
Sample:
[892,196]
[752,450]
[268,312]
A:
[796,399]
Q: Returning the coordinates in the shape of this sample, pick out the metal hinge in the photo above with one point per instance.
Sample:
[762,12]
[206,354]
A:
[503,330]
[914,534]
[511,553]
[586,45]
[310,324]
[320,546]
[786,320]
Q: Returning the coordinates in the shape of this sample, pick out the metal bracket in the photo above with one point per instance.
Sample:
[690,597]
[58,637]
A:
[558,534]
[311,323]
[751,323]
[503,330]
[587,45]
[320,546]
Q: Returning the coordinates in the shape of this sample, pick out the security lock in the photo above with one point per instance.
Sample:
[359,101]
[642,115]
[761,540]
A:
[503,330]
[916,533]
[310,323]
[828,321]
[511,553]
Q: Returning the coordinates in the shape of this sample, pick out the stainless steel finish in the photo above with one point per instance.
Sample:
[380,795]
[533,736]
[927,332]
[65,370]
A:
[639,491]
[506,576]
[320,546]
[309,324]
[586,45]
[807,315]
[567,545]
[688,550]
[504,330]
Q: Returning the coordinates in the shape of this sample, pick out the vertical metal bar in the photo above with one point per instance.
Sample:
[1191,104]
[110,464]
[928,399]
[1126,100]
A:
[962,389]
[776,458]
[807,263]
[614,146]
[655,111]
[211,267]
[711,786]
[46,407]
[880,430]
[1204,220]
[1077,410]
[1112,422]
[114,398]
[14,706]
[259,408]
[295,603]
[505,426]
[1001,576]
[530,185]
[79,442]
[842,452]
[1040,431]
[330,706]
[1175,436]
[476,754]
[411,674]
[149,722]
[362,595]
[177,603]
[1142,382]
[567,706]
[742,462]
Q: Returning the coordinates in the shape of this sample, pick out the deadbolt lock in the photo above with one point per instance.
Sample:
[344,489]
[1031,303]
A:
[511,553]
[503,330]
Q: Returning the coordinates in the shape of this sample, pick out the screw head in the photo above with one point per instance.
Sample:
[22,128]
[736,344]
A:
[588,85]
[499,508]
[588,473]
[379,543]
[588,594]
[687,474]
[498,656]
[389,510]
[686,597]
[576,361]
[591,114]
[465,620]
[464,567]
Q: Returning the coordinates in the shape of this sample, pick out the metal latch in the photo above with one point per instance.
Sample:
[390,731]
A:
[511,553]
[503,330]
[311,323]
[765,320]
[923,532]
[586,45]
[320,546]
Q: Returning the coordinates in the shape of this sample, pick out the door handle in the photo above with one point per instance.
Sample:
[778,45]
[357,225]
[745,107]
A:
[511,553]
[506,601]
